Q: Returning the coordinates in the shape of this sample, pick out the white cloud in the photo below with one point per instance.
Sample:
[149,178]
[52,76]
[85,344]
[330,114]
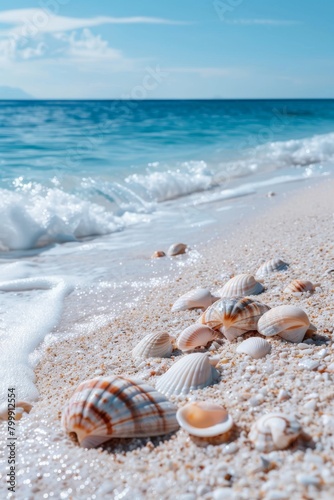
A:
[264,22]
[29,22]
[86,46]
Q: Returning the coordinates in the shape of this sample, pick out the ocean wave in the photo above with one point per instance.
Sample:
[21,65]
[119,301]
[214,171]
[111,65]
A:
[38,216]
[34,215]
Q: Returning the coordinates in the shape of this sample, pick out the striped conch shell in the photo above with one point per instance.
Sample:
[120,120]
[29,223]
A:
[274,431]
[289,322]
[191,372]
[255,347]
[198,298]
[297,287]
[117,407]
[233,316]
[177,249]
[154,345]
[271,266]
[241,285]
[204,419]
[196,336]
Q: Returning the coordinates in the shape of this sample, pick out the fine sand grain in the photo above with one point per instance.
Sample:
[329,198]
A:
[299,229]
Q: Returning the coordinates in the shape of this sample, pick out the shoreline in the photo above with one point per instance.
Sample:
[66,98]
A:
[297,228]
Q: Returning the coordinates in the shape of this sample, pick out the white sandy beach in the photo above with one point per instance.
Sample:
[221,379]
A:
[297,227]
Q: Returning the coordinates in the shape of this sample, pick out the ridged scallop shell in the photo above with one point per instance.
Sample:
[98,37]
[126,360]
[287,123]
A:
[271,266]
[177,249]
[255,347]
[196,336]
[198,298]
[154,345]
[297,287]
[204,419]
[193,371]
[233,316]
[274,431]
[113,407]
[289,322]
[241,286]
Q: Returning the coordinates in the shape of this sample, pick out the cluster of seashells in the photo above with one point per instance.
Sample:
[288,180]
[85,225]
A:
[116,407]
[173,250]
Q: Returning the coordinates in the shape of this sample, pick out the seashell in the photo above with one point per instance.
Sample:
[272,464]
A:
[177,249]
[255,347]
[297,287]
[271,266]
[20,408]
[154,345]
[233,316]
[157,254]
[191,372]
[204,419]
[198,298]
[274,431]
[196,336]
[241,285]
[289,322]
[117,407]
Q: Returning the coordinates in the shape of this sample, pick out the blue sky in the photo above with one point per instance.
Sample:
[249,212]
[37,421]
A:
[175,49]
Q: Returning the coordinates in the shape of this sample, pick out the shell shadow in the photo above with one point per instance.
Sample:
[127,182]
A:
[126,445]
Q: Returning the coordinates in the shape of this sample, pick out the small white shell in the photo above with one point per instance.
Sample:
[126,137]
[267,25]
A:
[271,266]
[241,285]
[255,347]
[233,316]
[112,407]
[196,336]
[198,298]
[296,287]
[154,345]
[177,249]
[274,431]
[191,372]
[204,419]
[289,322]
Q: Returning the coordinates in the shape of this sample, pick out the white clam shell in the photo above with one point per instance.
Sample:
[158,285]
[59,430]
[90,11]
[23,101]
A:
[296,287]
[198,298]
[112,407]
[191,372]
[233,316]
[204,419]
[289,322]
[274,431]
[255,347]
[241,286]
[177,249]
[154,345]
[271,266]
[196,336]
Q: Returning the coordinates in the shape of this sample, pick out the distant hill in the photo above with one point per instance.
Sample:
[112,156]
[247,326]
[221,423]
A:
[13,93]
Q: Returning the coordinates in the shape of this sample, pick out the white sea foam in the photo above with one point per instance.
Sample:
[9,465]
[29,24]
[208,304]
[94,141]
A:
[34,215]
[23,327]
[37,216]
